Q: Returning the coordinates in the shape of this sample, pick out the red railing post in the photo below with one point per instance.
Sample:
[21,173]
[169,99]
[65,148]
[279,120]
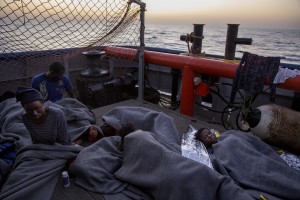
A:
[208,66]
[187,95]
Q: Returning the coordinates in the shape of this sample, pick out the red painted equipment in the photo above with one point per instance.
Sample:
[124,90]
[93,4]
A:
[191,66]
[202,89]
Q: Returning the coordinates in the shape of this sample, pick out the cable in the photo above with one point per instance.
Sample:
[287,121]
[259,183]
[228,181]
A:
[166,103]
[243,107]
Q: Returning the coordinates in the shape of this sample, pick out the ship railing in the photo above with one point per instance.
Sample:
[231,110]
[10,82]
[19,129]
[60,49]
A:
[190,67]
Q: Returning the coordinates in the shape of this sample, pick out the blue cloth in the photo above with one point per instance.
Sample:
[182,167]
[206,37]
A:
[7,153]
[51,90]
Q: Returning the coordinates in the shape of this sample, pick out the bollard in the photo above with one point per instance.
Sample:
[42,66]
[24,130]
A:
[232,40]
[197,38]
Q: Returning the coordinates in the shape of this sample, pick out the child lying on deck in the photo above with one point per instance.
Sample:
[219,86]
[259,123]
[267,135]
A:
[95,133]
[91,135]
[208,138]
[244,156]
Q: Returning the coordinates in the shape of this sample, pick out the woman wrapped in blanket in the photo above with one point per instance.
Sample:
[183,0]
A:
[45,125]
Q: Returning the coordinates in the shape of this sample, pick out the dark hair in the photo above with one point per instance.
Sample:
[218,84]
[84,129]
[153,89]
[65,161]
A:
[56,67]
[124,131]
[199,132]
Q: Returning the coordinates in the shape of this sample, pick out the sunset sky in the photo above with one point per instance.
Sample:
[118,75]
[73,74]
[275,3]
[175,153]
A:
[251,13]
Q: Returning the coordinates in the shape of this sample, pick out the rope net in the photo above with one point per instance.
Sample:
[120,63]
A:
[34,33]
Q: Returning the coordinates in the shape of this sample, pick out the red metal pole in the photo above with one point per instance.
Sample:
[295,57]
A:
[204,65]
[209,66]
[187,95]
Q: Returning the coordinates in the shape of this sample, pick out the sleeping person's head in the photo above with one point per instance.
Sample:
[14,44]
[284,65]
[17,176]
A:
[207,137]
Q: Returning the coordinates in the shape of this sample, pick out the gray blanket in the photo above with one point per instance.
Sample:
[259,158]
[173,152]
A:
[36,171]
[150,166]
[255,166]
[37,167]
[79,118]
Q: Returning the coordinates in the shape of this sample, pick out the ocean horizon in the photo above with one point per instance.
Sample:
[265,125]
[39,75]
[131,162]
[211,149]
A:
[282,43]
[272,42]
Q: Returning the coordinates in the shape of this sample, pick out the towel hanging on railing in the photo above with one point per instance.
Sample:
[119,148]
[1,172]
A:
[252,73]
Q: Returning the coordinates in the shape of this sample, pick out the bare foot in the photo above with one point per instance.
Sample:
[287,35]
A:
[93,134]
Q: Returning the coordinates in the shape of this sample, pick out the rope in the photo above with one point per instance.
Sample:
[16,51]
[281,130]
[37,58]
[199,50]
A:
[35,33]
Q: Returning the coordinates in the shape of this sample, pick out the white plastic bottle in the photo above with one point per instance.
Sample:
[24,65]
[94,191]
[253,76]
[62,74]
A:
[66,180]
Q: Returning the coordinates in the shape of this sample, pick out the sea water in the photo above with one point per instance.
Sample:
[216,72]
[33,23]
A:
[266,42]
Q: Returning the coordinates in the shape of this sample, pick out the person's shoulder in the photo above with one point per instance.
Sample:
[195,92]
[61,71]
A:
[56,115]
[39,76]
[26,120]
[25,117]
[55,111]
[67,82]
[65,77]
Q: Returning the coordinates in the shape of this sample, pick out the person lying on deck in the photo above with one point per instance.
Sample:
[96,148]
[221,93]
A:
[207,137]
[242,156]
[91,135]
[94,133]
[45,125]
[111,131]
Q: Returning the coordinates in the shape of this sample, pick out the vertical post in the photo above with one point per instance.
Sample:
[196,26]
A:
[141,50]
[232,40]
[175,78]
[232,32]
[197,39]
[187,95]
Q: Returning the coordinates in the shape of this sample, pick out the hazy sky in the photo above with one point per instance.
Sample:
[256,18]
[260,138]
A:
[248,13]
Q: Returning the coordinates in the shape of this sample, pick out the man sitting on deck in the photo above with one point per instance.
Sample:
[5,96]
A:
[52,84]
